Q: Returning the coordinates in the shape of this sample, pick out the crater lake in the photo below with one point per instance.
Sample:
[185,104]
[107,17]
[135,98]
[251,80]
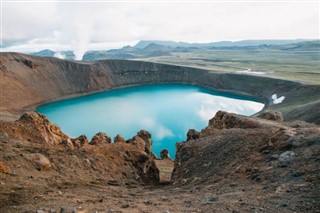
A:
[167,111]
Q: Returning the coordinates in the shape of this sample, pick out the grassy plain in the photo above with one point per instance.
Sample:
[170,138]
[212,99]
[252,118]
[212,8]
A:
[297,65]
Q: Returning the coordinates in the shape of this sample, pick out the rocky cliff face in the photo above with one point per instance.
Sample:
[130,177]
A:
[27,81]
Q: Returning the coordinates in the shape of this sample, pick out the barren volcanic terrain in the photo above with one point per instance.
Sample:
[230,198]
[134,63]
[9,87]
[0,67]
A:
[235,164]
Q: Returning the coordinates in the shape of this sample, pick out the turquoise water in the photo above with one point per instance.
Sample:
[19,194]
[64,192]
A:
[166,111]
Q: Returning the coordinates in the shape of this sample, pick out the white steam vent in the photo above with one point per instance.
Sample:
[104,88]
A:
[277,100]
[59,55]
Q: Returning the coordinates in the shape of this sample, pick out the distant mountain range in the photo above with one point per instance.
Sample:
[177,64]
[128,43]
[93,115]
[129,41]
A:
[155,48]
[58,54]
[244,43]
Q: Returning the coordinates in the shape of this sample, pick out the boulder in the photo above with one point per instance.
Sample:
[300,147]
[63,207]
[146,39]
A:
[281,139]
[40,162]
[100,138]
[164,169]
[286,158]
[271,115]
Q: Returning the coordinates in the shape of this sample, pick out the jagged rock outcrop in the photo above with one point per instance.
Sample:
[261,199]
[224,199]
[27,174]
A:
[164,154]
[79,141]
[192,134]
[75,143]
[145,161]
[119,139]
[143,141]
[227,167]
[100,138]
[271,135]
[42,128]
[34,128]
[241,151]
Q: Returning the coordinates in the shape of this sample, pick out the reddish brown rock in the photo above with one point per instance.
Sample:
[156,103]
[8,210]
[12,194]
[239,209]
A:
[100,138]
[119,139]
[143,141]
[236,169]
[164,168]
[80,141]
[48,133]
[4,168]
[67,143]
[39,161]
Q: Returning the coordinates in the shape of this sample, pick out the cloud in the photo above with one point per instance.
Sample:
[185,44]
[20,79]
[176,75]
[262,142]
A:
[207,112]
[26,20]
[209,105]
[159,131]
[162,132]
[147,122]
[102,25]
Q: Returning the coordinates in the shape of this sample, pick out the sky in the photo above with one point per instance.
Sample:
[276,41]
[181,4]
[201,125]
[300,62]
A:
[29,26]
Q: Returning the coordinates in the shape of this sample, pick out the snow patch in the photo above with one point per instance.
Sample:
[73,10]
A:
[277,100]
[249,71]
